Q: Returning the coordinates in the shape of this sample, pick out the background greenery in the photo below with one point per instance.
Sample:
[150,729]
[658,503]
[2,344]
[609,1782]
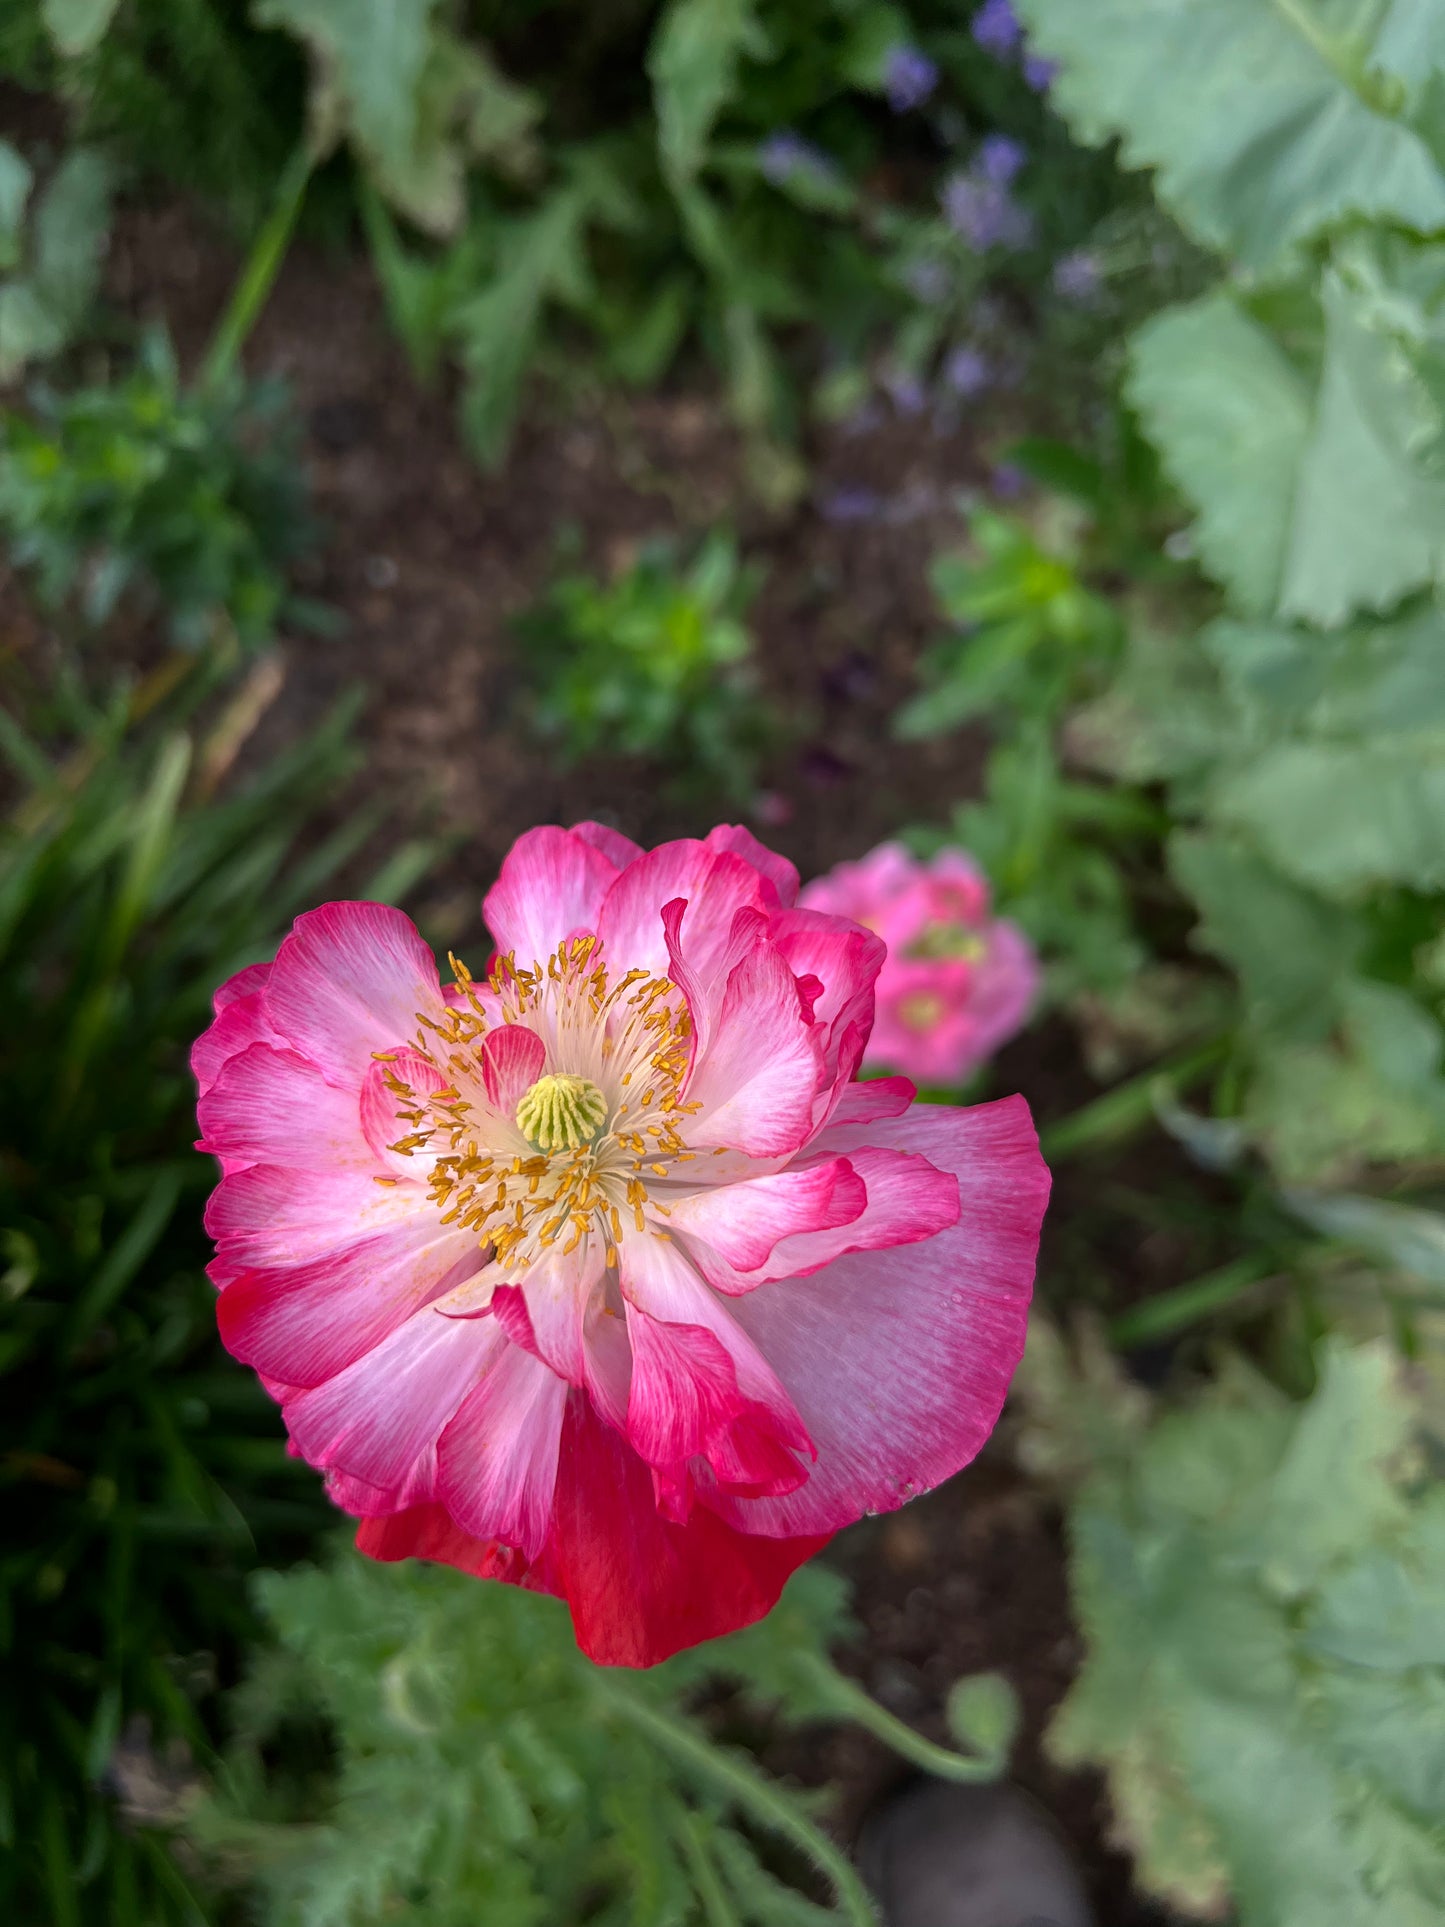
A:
[1208,648]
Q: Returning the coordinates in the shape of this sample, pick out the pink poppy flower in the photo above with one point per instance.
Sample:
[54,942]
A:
[603,1276]
[956,983]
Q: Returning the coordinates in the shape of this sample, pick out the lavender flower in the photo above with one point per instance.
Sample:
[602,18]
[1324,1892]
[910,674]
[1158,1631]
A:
[1000,159]
[966,371]
[1008,481]
[996,28]
[850,505]
[1076,276]
[984,214]
[784,155]
[904,390]
[1039,73]
[909,77]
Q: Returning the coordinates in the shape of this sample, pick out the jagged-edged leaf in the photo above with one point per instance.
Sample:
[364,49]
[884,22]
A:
[1345,817]
[1266,124]
[1313,499]
[1265,1658]
[1230,414]
[693,61]
[58,260]
[76,26]
[1334,1489]
[1367,523]
[413,100]
[1290,949]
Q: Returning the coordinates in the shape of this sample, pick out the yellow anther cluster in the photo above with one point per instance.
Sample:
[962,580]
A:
[578,1173]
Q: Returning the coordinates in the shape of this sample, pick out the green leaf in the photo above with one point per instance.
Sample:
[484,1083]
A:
[1251,1585]
[1368,522]
[76,26]
[693,63]
[16,179]
[1291,950]
[413,99]
[1266,124]
[1230,415]
[1344,818]
[1311,501]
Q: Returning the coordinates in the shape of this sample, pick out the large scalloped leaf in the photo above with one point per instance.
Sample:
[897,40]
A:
[1263,1734]
[1230,415]
[1311,502]
[1267,123]
[413,100]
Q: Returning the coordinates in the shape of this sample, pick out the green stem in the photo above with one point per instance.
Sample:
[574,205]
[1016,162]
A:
[1173,1311]
[716,1906]
[1119,1113]
[852,1703]
[751,1792]
[263,264]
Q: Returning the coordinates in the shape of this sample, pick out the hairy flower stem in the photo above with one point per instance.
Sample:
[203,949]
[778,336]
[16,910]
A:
[751,1792]
[850,1702]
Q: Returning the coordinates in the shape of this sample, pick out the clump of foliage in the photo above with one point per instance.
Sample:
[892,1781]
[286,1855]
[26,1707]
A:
[656,663]
[665,173]
[1259,1585]
[190,501]
[466,1763]
[141,1476]
[52,244]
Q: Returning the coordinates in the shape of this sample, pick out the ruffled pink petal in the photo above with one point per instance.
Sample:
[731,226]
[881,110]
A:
[376,1418]
[544,1308]
[846,961]
[744,1222]
[756,1080]
[898,1361]
[304,1323]
[246,983]
[908,1199]
[241,1020]
[271,1106]
[511,1061]
[428,1531]
[348,982]
[497,1459]
[874,1097]
[715,885]
[551,886]
[381,1124]
[617,848]
[642,1587]
[699,1388]
[269,1214]
[780,873]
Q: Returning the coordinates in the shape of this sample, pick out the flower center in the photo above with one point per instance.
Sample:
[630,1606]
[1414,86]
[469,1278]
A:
[561,1112]
[590,1143]
[950,942]
[921,1011]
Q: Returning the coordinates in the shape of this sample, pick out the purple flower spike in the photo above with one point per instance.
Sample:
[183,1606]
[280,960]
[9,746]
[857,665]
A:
[1000,159]
[1039,73]
[850,505]
[983,214]
[786,154]
[966,372]
[996,28]
[909,77]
